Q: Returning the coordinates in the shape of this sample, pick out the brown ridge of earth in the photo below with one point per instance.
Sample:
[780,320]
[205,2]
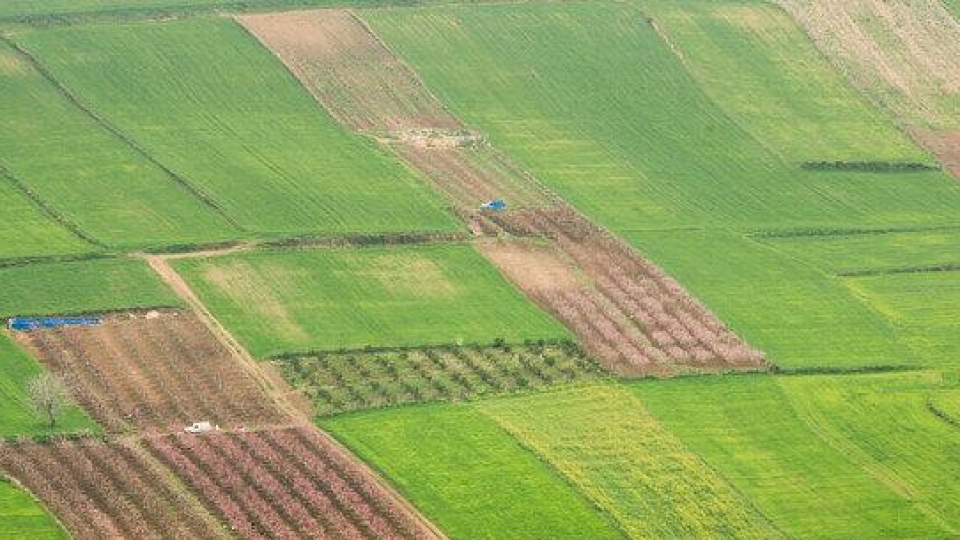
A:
[627,312]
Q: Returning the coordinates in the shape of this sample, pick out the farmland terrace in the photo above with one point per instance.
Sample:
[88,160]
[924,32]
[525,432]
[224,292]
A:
[719,298]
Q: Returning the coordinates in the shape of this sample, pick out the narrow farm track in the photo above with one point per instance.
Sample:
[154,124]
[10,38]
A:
[627,311]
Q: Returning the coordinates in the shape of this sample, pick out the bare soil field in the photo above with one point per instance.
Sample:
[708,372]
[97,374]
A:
[904,55]
[944,145]
[292,483]
[108,490]
[155,371]
[349,70]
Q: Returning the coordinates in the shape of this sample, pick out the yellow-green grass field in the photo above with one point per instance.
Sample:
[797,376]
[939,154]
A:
[468,475]
[612,449]
[26,231]
[90,177]
[22,517]
[327,299]
[81,287]
[207,101]
[825,456]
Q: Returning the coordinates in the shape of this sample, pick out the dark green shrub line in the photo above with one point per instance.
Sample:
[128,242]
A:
[947,267]
[828,232]
[569,347]
[191,247]
[942,415]
[51,438]
[868,166]
[365,239]
[827,370]
[54,259]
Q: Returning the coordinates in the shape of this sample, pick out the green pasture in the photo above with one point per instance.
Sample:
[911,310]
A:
[327,299]
[922,309]
[16,418]
[469,476]
[90,177]
[823,457]
[26,231]
[594,101]
[800,316]
[207,101]
[83,286]
[22,517]
[873,252]
[612,449]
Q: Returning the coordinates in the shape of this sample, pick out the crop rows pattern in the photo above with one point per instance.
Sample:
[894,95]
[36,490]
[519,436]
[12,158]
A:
[291,483]
[107,490]
[634,315]
[153,371]
[341,382]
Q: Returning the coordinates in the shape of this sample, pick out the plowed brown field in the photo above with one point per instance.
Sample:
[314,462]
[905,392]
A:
[155,371]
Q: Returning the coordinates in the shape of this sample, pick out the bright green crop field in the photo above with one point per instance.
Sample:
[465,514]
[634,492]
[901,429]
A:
[22,518]
[468,475]
[327,299]
[205,99]
[89,176]
[26,231]
[824,457]
[858,253]
[15,415]
[78,287]
[591,99]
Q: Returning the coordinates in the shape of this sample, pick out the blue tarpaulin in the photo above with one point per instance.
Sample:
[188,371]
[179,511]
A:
[496,204]
[25,324]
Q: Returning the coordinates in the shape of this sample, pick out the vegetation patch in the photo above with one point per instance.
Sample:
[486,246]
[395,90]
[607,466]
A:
[22,517]
[867,166]
[342,382]
[328,299]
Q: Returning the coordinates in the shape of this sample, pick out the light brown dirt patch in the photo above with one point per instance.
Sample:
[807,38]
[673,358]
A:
[946,146]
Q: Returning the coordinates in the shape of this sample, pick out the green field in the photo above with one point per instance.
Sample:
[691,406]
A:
[327,299]
[79,287]
[605,442]
[468,475]
[22,518]
[795,313]
[16,417]
[26,231]
[627,135]
[87,175]
[858,253]
[921,307]
[823,457]
[208,102]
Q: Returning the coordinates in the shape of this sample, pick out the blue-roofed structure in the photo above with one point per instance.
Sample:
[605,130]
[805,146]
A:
[26,324]
[496,204]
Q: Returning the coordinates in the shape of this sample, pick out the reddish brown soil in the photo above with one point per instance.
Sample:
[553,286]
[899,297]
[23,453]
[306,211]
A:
[291,483]
[627,311]
[108,490]
[349,70]
[946,146]
[156,371]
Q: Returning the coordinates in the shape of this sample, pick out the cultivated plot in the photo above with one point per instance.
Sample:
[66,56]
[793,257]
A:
[108,490]
[343,382]
[81,287]
[28,231]
[615,452]
[797,314]
[156,370]
[202,97]
[625,133]
[292,483]
[91,178]
[823,456]
[468,475]
[327,299]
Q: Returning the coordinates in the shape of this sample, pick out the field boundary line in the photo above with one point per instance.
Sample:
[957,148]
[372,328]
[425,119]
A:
[244,359]
[942,415]
[832,233]
[48,209]
[931,269]
[127,140]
